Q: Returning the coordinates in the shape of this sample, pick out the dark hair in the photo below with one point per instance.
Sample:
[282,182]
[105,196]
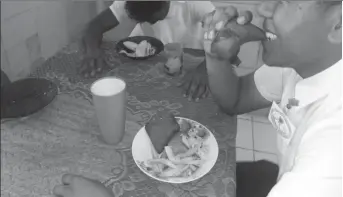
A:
[145,11]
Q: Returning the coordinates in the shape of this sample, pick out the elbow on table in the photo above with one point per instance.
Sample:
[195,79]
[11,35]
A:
[228,110]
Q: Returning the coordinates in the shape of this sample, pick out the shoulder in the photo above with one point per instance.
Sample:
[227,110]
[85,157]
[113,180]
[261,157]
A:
[320,150]
[279,76]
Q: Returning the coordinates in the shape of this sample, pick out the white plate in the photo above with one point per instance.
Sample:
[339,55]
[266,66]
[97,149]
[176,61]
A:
[142,151]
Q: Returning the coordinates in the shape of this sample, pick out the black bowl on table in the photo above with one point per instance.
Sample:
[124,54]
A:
[156,43]
[25,97]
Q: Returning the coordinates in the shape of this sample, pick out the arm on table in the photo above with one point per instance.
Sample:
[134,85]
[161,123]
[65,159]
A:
[102,23]
[239,95]
[109,19]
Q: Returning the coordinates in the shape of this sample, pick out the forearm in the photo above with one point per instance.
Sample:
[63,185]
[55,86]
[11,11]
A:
[224,84]
[102,23]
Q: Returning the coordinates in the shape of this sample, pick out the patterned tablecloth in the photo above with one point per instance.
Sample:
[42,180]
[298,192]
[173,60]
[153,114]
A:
[63,137]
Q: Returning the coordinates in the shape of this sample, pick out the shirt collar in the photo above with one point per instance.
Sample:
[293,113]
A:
[322,84]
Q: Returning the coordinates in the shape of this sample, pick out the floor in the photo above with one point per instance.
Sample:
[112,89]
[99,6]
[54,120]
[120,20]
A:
[256,138]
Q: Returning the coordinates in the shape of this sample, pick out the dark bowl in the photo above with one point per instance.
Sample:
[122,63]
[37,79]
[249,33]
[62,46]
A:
[156,43]
[25,97]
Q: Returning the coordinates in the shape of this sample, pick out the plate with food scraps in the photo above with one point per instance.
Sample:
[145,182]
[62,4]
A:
[139,47]
[177,164]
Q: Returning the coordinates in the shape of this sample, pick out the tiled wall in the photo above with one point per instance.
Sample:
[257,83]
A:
[32,31]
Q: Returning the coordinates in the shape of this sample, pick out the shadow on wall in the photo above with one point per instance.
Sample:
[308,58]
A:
[33,31]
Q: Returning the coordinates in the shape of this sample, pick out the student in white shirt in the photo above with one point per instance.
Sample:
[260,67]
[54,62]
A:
[306,59]
[169,21]
[302,85]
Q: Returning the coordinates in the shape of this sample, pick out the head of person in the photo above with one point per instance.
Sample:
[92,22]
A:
[147,11]
[308,33]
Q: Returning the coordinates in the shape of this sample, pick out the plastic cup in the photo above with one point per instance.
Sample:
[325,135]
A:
[109,99]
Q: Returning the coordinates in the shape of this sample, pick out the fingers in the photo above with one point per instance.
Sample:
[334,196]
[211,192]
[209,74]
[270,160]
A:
[192,90]
[198,94]
[207,92]
[91,67]
[62,191]
[231,12]
[195,90]
[244,18]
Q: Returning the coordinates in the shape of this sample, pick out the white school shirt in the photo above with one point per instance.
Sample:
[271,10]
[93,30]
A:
[182,24]
[311,155]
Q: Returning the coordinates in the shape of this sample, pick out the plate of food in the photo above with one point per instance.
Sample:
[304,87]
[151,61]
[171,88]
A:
[175,150]
[139,47]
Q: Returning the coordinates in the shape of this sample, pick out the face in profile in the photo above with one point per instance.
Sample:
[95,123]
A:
[304,33]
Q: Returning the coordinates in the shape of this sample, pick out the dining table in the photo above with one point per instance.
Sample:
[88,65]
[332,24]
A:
[64,137]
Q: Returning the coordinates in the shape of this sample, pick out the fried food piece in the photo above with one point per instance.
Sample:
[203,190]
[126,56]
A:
[161,131]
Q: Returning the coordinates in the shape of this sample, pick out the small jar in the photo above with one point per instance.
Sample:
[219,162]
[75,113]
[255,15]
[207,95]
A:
[174,53]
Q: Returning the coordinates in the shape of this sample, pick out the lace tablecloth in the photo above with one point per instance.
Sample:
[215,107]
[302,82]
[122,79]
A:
[63,138]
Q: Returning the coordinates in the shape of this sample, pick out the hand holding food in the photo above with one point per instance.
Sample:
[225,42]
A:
[142,49]
[225,32]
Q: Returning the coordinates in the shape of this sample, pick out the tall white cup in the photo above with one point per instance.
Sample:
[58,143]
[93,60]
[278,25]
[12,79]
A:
[109,99]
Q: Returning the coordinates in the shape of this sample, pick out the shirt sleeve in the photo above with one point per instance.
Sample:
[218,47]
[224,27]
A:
[317,170]
[198,9]
[118,10]
[263,78]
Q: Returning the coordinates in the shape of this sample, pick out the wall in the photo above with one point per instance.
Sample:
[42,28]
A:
[32,31]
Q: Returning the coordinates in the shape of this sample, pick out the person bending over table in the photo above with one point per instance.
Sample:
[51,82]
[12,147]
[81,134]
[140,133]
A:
[304,83]
[169,21]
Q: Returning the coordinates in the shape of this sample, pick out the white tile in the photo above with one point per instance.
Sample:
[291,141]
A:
[18,28]
[244,137]
[264,137]
[19,60]
[244,155]
[265,156]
